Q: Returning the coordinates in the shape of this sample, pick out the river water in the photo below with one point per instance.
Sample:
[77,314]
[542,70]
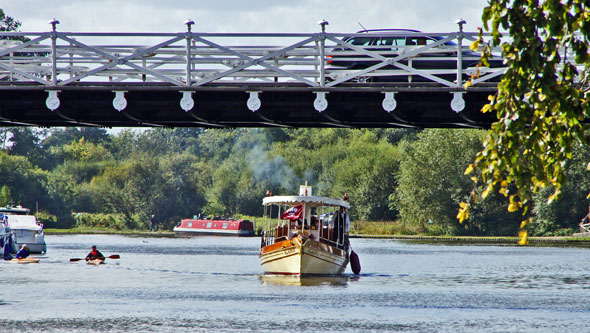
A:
[215,284]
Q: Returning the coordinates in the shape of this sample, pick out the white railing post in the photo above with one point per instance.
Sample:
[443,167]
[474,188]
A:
[189,38]
[323,24]
[460,22]
[53,23]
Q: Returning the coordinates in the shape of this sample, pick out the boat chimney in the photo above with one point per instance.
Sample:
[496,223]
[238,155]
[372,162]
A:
[305,190]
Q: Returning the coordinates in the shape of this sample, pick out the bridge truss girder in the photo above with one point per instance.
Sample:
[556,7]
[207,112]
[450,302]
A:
[227,106]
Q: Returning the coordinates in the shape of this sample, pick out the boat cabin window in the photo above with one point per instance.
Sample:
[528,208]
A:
[224,226]
[209,224]
[189,224]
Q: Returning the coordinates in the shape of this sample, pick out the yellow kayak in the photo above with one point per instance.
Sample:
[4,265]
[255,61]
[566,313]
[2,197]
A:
[25,260]
[95,262]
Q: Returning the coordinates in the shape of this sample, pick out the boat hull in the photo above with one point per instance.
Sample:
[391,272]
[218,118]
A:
[199,227]
[188,232]
[36,244]
[290,257]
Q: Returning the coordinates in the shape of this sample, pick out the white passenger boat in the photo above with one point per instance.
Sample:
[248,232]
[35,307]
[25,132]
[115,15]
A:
[309,238]
[24,228]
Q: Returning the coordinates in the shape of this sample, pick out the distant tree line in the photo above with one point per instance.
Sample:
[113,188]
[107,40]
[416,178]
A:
[88,177]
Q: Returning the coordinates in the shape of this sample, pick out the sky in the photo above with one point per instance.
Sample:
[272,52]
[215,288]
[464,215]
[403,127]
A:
[281,16]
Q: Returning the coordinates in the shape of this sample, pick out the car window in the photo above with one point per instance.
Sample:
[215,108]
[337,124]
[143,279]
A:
[364,41]
[419,41]
[392,42]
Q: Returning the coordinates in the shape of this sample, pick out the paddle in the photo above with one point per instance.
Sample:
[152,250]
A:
[112,256]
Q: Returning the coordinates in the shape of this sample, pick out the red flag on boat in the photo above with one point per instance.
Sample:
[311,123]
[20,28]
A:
[293,213]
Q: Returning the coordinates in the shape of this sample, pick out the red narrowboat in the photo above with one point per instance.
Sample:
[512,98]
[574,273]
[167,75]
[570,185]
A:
[199,227]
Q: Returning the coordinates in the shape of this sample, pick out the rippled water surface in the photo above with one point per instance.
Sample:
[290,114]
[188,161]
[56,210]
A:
[215,284]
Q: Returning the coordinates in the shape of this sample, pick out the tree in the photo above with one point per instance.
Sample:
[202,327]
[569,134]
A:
[431,182]
[552,219]
[540,105]
[25,141]
[5,197]
[7,23]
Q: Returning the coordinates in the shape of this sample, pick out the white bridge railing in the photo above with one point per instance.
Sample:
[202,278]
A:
[194,59]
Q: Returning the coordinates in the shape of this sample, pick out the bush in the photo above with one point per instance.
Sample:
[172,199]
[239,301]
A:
[104,221]
[48,220]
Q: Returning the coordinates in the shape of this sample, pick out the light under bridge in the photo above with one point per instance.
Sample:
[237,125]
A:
[369,79]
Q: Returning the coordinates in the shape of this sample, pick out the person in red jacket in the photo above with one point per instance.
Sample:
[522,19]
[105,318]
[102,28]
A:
[94,254]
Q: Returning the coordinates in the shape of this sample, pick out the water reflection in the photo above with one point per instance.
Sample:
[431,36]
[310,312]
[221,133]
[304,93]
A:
[315,280]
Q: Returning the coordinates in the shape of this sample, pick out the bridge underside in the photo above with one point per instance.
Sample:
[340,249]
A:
[226,106]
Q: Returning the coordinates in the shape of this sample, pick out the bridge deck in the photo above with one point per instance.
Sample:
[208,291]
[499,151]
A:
[374,79]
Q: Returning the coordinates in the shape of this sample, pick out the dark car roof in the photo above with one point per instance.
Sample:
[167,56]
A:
[403,30]
[388,30]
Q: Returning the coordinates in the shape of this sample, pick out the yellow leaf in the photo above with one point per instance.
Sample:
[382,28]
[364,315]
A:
[469,169]
[513,207]
[463,213]
[467,84]
[523,237]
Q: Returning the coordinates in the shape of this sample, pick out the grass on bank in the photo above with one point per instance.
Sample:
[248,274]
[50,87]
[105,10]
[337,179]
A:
[373,229]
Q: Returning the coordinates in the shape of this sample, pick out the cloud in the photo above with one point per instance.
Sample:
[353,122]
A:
[244,16]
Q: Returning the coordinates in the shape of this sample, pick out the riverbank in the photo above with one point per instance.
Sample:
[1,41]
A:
[134,233]
[480,239]
[455,239]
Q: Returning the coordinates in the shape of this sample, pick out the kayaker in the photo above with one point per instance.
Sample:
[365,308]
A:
[94,254]
[23,252]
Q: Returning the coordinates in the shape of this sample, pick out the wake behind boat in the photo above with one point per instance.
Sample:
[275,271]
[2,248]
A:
[310,238]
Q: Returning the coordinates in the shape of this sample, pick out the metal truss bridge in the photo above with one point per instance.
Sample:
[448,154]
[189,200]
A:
[369,79]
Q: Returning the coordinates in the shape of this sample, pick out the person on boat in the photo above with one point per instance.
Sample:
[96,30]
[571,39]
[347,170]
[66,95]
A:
[94,254]
[23,252]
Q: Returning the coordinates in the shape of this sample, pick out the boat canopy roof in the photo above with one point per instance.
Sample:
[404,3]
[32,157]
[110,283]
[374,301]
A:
[23,222]
[297,199]
[15,210]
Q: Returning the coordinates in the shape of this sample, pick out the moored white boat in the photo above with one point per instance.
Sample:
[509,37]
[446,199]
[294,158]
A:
[24,228]
[310,238]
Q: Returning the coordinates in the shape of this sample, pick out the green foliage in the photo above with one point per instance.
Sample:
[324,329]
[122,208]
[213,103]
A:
[7,23]
[558,217]
[431,182]
[105,221]
[25,141]
[117,182]
[539,104]
[48,220]
[24,181]
[5,196]
[383,228]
